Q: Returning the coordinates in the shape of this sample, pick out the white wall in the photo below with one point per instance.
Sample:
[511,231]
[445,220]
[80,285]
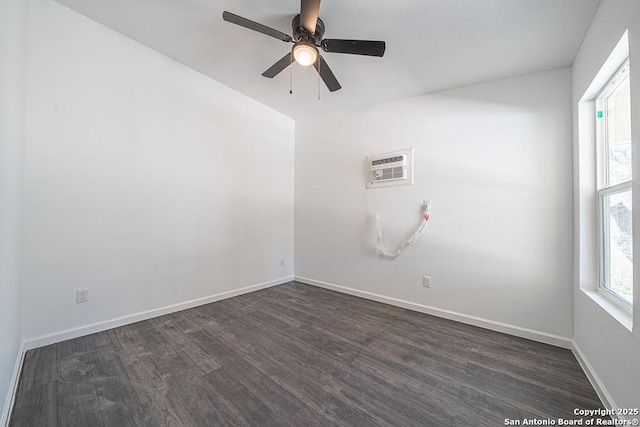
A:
[146,182]
[13,21]
[611,349]
[495,159]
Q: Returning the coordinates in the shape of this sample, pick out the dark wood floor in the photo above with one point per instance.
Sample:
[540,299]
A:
[298,355]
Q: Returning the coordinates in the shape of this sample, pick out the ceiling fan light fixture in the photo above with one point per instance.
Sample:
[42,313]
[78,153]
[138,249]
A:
[305,53]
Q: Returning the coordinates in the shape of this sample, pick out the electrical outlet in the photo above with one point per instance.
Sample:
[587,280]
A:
[281,262]
[426,281]
[82,295]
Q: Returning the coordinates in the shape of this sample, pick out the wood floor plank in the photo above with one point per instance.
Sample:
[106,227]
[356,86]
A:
[454,341]
[189,353]
[246,377]
[296,355]
[36,399]
[310,393]
[117,399]
[341,379]
[361,332]
[189,392]
[77,398]
[527,394]
[40,367]
[243,407]
[36,406]
[150,387]
[298,362]
[346,351]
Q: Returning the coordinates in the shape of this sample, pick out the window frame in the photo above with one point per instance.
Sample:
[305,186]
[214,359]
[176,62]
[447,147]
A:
[603,189]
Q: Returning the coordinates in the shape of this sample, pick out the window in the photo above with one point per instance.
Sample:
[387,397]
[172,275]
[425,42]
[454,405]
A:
[613,141]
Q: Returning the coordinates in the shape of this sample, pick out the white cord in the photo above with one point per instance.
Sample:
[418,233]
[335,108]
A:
[375,211]
[382,251]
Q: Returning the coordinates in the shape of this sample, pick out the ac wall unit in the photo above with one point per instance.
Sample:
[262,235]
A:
[390,169]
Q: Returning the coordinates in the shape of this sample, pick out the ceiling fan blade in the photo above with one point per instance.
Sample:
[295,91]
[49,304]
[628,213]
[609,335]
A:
[278,66]
[309,10]
[354,47]
[244,22]
[326,74]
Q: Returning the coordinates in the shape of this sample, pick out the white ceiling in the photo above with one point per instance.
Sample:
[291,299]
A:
[431,44]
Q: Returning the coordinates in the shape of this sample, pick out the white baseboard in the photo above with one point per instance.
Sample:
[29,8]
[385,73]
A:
[80,331]
[13,387]
[518,331]
[595,381]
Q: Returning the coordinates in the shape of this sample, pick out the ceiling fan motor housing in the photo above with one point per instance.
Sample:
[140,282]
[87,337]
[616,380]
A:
[299,33]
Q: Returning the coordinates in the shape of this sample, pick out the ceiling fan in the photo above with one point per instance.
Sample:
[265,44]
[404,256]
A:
[308,30]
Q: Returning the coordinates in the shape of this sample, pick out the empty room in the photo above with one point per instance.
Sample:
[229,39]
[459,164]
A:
[306,212]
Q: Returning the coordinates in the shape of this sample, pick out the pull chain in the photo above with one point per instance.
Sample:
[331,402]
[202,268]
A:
[291,74]
[319,77]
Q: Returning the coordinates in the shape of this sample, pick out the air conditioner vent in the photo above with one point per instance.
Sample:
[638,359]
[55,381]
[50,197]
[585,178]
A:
[390,169]
[398,172]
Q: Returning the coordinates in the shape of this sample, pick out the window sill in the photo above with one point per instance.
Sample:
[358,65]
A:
[618,313]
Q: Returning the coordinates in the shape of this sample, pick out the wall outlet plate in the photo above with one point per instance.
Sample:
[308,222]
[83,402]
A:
[82,295]
[426,281]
